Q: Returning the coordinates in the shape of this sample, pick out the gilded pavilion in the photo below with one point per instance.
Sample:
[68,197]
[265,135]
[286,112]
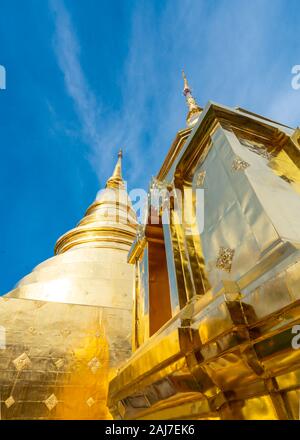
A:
[190,318]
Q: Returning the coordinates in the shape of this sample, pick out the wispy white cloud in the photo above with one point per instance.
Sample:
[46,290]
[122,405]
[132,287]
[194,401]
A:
[227,49]
[67,49]
[102,131]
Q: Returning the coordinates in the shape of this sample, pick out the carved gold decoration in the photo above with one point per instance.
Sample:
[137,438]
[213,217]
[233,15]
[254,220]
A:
[258,149]
[224,260]
[22,362]
[32,330]
[65,332]
[9,402]
[239,164]
[90,402]
[200,178]
[94,365]
[51,402]
[59,363]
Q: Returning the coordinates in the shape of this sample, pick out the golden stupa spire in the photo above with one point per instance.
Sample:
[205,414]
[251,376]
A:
[194,108]
[109,222]
[116,179]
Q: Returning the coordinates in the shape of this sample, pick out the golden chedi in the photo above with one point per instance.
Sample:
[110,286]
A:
[90,264]
[68,323]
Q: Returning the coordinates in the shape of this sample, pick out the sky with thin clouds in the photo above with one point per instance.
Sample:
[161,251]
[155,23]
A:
[87,77]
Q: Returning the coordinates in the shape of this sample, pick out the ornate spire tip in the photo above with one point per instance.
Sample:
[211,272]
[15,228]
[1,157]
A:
[116,180]
[186,88]
[194,108]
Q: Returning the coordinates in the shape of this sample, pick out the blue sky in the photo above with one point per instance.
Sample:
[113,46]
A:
[86,77]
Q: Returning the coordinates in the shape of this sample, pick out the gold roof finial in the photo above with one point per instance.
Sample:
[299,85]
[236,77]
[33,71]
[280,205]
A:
[186,87]
[194,108]
[116,180]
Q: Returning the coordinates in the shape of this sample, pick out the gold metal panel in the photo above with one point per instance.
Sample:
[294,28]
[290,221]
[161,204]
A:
[213,321]
[160,351]
[289,380]
[293,401]
[269,297]
[235,342]
[259,408]
[60,370]
[192,409]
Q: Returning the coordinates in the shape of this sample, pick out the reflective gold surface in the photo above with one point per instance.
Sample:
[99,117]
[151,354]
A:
[226,352]
[56,364]
[68,323]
